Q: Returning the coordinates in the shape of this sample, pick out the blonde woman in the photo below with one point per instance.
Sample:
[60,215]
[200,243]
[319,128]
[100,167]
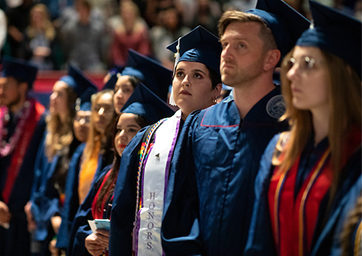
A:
[53,159]
[96,154]
[40,35]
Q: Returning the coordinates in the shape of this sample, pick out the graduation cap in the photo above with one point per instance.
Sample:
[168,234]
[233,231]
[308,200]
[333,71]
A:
[150,72]
[336,33]
[84,101]
[109,85]
[20,70]
[199,45]
[145,103]
[285,23]
[81,83]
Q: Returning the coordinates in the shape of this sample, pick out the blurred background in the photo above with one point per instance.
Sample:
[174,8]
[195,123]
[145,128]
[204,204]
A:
[94,35]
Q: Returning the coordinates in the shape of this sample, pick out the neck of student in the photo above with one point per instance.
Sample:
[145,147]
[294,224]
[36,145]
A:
[320,118]
[247,94]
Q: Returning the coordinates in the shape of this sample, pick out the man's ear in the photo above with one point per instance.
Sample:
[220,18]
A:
[217,90]
[272,58]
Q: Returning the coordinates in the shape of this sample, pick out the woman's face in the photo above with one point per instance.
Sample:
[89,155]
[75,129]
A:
[81,125]
[192,87]
[103,112]
[122,91]
[127,127]
[309,78]
[58,103]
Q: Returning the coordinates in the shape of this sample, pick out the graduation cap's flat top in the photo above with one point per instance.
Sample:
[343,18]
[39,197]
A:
[19,69]
[145,103]
[111,82]
[81,82]
[285,22]
[150,72]
[336,33]
[199,45]
[85,99]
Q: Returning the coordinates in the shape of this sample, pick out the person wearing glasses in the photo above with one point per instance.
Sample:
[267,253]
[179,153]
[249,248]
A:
[210,192]
[310,177]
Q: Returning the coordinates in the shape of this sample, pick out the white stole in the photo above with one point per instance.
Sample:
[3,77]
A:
[153,184]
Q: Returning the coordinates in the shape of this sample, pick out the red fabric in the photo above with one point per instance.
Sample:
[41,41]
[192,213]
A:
[122,41]
[287,226]
[98,212]
[289,210]
[20,149]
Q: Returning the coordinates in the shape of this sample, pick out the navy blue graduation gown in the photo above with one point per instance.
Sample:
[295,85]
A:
[210,192]
[44,196]
[124,201]
[80,228]
[326,238]
[71,203]
[15,241]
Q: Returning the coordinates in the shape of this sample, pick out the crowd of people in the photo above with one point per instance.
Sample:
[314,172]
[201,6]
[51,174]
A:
[246,143]
[94,35]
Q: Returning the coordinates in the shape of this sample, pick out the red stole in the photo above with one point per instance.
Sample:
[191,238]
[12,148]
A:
[294,219]
[36,110]
[97,212]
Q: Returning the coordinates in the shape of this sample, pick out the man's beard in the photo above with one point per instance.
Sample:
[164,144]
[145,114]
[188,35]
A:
[14,102]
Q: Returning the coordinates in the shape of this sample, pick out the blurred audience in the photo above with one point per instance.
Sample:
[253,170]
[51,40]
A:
[129,32]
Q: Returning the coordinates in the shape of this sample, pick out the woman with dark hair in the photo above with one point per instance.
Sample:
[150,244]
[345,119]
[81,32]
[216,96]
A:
[142,109]
[308,177]
[143,174]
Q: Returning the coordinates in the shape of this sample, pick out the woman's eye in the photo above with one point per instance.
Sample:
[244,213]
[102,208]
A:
[132,130]
[198,75]
[241,45]
[179,73]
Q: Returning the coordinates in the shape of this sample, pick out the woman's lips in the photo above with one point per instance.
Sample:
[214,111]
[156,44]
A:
[185,93]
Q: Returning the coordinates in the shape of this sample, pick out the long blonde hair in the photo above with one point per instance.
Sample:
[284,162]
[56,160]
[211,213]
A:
[47,26]
[93,134]
[60,133]
[345,108]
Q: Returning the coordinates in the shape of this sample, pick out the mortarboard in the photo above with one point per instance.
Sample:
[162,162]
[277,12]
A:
[82,84]
[335,33]
[286,23]
[199,45]
[145,103]
[20,70]
[109,85]
[84,101]
[150,72]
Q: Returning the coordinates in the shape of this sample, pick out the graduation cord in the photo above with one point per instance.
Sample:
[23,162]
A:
[142,155]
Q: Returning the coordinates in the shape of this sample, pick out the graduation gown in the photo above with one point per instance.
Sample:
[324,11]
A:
[326,238]
[210,191]
[15,241]
[80,228]
[125,197]
[71,203]
[45,198]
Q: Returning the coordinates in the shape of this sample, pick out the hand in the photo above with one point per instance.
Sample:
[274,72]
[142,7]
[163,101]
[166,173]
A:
[56,221]
[53,250]
[29,217]
[41,51]
[97,243]
[4,213]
